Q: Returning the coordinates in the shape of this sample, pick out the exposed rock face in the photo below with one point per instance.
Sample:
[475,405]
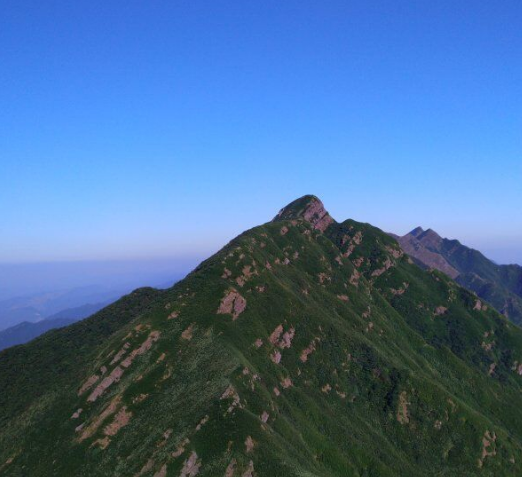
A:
[232,303]
[440,310]
[88,431]
[403,415]
[120,353]
[284,341]
[115,376]
[145,346]
[425,247]
[276,357]
[250,470]
[309,208]
[379,271]
[187,334]
[231,394]
[488,447]
[308,351]
[274,337]
[181,448]
[317,215]
[121,420]
[231,468]
[326,388]
[88,384]
[249,444]
[191,466]
[162,472]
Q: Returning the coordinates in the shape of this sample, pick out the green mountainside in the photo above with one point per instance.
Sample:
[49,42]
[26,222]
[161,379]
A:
[305,347]
[501,285]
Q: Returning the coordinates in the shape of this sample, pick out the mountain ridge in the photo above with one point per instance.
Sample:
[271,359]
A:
[501,285]
[293,351]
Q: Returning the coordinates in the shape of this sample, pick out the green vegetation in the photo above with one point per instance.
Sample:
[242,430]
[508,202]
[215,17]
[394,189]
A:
[291,352]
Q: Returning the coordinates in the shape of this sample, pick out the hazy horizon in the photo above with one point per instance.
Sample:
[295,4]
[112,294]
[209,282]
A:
[509,253]
[501,249]
[25,279]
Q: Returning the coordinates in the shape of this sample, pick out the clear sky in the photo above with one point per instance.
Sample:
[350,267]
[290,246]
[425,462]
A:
[143,129]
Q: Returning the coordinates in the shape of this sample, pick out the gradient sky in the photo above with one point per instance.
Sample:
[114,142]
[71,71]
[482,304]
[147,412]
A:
[144,129]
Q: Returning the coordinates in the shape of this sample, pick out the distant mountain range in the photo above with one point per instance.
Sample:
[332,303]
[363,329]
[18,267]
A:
[26,331]
[33,308]
[27,313]
[500,285]
[305,347]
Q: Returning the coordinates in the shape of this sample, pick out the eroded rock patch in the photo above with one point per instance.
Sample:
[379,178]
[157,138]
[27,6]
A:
[232,304]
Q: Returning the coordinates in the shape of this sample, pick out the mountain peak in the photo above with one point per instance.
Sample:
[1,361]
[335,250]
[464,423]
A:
[416,231]
[431,239]
[309,208]
[430,235]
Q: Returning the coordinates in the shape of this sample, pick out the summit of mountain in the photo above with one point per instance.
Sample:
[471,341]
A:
[309,208]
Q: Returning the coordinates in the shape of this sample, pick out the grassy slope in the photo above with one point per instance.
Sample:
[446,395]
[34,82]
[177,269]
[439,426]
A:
[390,389]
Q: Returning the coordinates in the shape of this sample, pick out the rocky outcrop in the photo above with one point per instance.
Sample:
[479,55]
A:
[232,304]
[403,415]
[191,466]
[309,208]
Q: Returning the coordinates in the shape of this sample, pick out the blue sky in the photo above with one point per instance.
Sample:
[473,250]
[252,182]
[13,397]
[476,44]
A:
[138,130]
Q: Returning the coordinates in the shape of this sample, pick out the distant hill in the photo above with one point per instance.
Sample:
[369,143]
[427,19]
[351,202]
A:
[11,316]
[80,312]
[500,285]
[34,308]
[26,331]
[305,347]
